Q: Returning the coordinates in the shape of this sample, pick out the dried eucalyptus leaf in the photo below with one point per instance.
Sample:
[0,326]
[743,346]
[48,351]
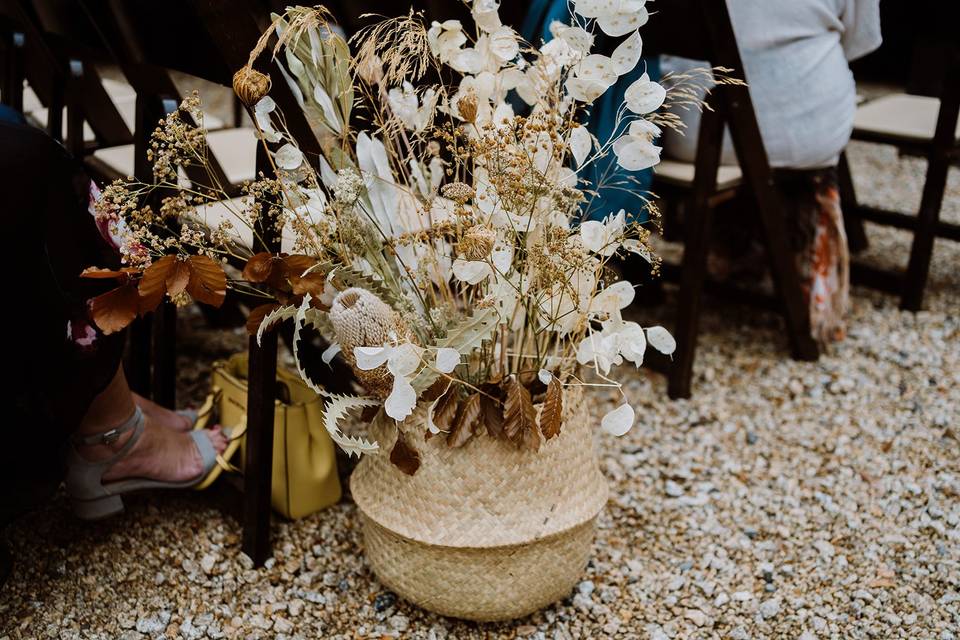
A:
[551,414]
[405,457]
[466,423]
[519,416]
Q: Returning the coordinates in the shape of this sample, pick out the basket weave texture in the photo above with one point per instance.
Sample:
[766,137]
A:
[486,531]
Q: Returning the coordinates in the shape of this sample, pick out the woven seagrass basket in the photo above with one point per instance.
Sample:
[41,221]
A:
[484,532]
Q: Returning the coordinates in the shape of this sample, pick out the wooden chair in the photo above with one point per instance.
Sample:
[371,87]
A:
[53,81]
[223,32]
[702,30]
[917,125]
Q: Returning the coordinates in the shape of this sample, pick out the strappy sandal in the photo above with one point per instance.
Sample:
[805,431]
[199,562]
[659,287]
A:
[92,499]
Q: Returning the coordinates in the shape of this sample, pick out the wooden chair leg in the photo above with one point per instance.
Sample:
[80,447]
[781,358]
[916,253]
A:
[693,273]
[921,250]
[695,249]
[938,165]
[258,464]
[852,220]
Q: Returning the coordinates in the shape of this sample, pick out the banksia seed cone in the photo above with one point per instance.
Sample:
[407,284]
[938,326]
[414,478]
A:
[250,85]
[361,319]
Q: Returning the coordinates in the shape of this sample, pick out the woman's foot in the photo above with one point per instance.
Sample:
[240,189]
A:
[161,453]
[162,416]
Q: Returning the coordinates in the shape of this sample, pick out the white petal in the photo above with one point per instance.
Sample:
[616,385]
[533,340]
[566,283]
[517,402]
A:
[447,359]
[467,60]
[288,157]
[644,95]
[404,360]
[545,376]
[627,54]
[636,156]
[618,421]
[621,24]
[370,357]
[580,144]
[503,44]
[592,234]
[584,90]
[486,15]
[631,342]
[330,114]
[578,39]
[470,271]
[598,68]
[661,340]
[617,296]
[401,401]
[330,353]
[595,8]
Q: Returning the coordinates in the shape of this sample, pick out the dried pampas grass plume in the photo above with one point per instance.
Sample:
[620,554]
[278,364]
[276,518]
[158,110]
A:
[399,44]
[361,319]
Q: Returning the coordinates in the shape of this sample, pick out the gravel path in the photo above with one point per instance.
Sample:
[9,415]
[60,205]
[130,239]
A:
[786,500]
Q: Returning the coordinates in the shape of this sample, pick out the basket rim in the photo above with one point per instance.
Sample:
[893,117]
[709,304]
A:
[360,498]
[522,543]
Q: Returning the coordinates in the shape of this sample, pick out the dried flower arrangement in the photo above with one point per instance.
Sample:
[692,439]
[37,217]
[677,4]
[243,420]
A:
[451,251]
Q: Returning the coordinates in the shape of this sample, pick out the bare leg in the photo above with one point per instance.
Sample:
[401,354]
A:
[161,453]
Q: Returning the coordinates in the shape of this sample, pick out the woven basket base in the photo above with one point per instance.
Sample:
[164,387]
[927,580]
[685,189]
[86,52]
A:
[483,584]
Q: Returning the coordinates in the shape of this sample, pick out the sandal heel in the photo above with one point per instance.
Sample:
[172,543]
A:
[97,508]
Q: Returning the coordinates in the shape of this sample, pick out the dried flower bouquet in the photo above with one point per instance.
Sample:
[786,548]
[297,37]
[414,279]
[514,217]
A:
[451,250]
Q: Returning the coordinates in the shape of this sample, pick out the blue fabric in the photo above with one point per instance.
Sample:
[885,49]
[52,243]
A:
[622,187]
[10,115]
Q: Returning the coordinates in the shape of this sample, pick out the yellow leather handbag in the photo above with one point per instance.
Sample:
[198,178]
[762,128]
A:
[304,460]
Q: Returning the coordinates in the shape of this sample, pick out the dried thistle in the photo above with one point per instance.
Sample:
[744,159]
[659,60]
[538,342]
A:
[477,243]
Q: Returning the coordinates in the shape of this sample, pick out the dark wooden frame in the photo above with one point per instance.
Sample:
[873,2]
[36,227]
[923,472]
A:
[940,152]
[731,105]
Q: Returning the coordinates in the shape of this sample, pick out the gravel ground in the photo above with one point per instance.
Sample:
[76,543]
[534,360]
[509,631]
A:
[785,500]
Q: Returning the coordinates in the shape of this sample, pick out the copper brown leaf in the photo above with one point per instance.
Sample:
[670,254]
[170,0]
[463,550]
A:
[257,314]
[114,310]
[405,457]
[153,284]
[311,283]
[446,409]
[519,416]
[260,267]
[466,423]
[296,264]
[97,272]
[208,282]
[437,389]
[551,412]
[492,415]
[178,278]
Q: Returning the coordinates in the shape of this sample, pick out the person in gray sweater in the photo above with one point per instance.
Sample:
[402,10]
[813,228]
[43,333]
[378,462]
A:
[795,55]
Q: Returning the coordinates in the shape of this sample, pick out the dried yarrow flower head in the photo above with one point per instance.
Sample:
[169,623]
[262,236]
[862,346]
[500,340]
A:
[459,192]
[349,186]
[361,319]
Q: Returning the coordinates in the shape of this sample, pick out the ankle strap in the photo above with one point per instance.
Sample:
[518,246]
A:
[111,436]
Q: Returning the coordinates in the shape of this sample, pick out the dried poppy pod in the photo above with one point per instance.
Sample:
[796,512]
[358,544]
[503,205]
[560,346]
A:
[361,319]
[250,85]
